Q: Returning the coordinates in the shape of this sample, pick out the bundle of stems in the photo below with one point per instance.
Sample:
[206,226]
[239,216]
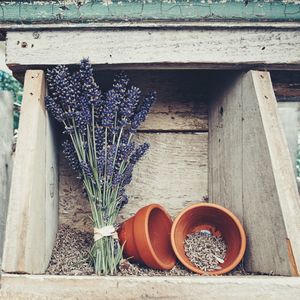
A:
[99,129]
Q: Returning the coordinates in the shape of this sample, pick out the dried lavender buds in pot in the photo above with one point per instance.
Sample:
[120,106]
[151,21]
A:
[205,251]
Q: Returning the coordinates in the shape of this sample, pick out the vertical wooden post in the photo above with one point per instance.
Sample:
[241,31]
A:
[6,138]
[32,213]
[251,173]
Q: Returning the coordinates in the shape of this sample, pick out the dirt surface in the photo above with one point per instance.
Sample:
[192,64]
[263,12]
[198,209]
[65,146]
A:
[70,256]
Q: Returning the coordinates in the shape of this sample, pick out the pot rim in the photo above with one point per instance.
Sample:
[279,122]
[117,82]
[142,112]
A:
[235,220]
[147,211]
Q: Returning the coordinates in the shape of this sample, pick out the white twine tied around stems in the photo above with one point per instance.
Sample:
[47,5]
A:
[109,230]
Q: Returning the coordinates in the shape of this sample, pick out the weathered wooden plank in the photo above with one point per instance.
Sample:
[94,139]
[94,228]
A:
[51,186]
[289,113]
[6,138]
[151,24]
[225,148]
[27,235]
[268,200]
[95,11]
[232,47]
[286,85]
[173,173]
[33,287]
[181,97]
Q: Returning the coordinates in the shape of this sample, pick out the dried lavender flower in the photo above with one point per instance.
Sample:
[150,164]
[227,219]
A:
[139,152]
[100,127]
[143,111]
[70,154]
[86,169]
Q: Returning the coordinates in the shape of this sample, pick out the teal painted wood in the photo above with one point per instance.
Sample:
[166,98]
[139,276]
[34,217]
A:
[101,10]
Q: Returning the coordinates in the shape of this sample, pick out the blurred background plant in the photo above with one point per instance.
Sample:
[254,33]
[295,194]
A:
[9,83]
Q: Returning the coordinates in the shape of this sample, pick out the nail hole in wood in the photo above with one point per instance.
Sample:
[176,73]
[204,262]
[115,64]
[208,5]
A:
[263,48]
[221,110]
[24,45]
[261,76]
[266,97]
[36,35]
[32,45]
[18,42]
[31,94]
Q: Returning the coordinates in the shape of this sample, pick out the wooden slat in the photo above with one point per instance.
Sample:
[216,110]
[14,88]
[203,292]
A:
[181,97]
[84,12]
[51,186]
[43,287]
[173,173]
[28,238]
[264,193]
[6,138]
[208,48]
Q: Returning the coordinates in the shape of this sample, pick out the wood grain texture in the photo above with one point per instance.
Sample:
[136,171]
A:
[231,47]
[27,233]
[173,173]
[264,193]
[51,188]
[6,139]
[182,97]
[43,287]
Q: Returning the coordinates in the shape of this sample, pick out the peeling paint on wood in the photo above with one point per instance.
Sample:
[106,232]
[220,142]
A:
[89,11]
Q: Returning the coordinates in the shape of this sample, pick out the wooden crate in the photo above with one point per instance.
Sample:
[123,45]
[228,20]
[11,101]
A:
[229,143]
[220,135]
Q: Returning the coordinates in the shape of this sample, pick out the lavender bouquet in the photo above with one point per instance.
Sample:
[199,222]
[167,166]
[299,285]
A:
[99,130]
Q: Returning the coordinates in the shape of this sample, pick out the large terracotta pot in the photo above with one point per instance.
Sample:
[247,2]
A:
[219,221]
[146,238]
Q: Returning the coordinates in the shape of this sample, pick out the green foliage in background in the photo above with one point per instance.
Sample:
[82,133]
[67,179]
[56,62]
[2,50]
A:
[9,83]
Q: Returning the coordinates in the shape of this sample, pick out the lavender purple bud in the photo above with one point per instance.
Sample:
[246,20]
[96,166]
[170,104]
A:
[70,154]
[143,111]
[100,125]
[86,169]
[138,153]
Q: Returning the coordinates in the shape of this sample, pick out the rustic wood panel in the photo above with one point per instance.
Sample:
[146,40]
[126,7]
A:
[225,149]
[286,85]
[27,232]
[43,287]
[6,138]
[173,173]
[207,47]
[182,97]
[51,186]
[289,113]
[268,200]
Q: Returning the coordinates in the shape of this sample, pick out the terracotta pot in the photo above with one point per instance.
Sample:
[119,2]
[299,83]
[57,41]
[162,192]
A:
[220,222]
[146,238]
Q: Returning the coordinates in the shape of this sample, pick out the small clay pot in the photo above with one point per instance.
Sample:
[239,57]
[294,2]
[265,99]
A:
[146,238]
[219,221]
